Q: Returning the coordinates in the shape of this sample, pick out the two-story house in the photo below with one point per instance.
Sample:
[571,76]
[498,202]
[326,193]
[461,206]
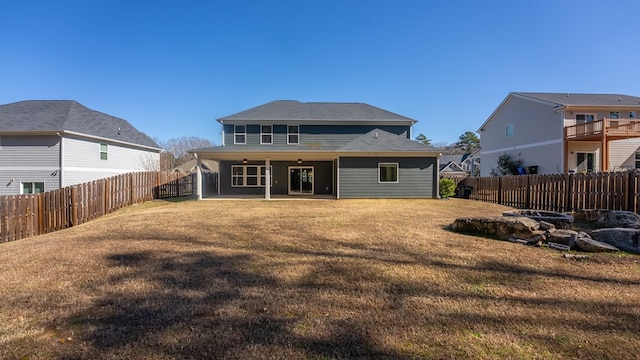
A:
[49,144]
[563,132]
[340,150]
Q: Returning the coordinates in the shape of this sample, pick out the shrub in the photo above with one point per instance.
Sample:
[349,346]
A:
[447,187]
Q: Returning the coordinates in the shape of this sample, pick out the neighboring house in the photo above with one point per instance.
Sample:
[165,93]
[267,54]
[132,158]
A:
[344,150]
[471,163]
[451,165]
[49,144]
[563,132]
[190,166]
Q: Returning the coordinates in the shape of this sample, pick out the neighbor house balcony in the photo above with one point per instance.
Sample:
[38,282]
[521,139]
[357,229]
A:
[603,131]
[613,129]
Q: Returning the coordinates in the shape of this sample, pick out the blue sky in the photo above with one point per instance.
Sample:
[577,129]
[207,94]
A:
[171,68]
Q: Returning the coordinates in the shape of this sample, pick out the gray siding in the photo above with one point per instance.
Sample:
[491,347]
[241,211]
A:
[28,159]
[41,151]
[312,135]
[537,138]
[323,178]
[82,161]
[359,178]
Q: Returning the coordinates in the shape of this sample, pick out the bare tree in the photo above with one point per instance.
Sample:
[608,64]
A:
[176,150]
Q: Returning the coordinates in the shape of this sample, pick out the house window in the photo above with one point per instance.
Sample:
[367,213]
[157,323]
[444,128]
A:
[239,134]
[293,134]
[509,130]
[614,114]
[388,172]
[632,115]
[584,118]
[103,151]
[585,162]
[266,134]
[637,159]
[32,187]
[249,175]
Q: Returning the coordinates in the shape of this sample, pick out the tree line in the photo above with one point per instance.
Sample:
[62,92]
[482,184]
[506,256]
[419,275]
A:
[466,144]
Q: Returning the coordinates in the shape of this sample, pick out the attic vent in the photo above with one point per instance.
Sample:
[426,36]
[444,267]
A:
[118,130]
[376,134]
[567,94]
[619,98]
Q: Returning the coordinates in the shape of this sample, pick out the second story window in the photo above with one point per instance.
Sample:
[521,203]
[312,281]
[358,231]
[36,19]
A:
[293,134]
[239,134]
[509,130]
[103,151]
[266,134]
[584,118]
[632,114]
[614,114]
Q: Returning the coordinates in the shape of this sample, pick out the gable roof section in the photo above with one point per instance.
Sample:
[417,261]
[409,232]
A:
[380,140]
[295,111]
[560,101]
[68,116]
[451,167]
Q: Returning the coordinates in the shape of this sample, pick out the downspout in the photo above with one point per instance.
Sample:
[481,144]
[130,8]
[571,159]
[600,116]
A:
[61,169]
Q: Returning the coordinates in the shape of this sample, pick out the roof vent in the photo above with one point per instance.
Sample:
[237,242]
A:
[567,94]
[376,134]
[619,98]
[118,130]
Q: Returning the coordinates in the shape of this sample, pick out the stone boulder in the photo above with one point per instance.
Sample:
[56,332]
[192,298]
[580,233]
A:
[609,218]
[561,236]
[498,227]
[588,244]
[622,238]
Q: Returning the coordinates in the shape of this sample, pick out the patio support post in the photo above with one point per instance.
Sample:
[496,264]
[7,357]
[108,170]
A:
[267,179]
[198,178]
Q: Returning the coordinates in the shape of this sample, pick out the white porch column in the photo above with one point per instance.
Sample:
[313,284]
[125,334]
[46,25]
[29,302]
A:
[199,178]
[267,180]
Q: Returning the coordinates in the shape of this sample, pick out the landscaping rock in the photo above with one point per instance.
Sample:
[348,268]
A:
[609,218]
[561,236]
[559,220]
[498,227]
[588,244]
[623,239]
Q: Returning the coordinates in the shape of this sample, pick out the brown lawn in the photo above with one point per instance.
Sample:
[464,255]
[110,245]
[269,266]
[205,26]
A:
[308,280]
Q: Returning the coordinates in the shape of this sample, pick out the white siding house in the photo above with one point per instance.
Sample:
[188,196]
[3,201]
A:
[45,145]
[560,132]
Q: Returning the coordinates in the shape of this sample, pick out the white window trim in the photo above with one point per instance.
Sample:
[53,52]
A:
[397,165]
[33,184]
[290,133]
[245,176]
[106,152]
[236,133]
[513,130]
[263,133]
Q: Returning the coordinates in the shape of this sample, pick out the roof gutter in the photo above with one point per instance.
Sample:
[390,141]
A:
[65,132]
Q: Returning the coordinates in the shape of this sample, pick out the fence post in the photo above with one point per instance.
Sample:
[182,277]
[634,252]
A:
[568,206]
[630,191]
[528,193]
[500,190]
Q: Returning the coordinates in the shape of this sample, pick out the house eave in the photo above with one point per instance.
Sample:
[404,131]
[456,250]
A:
[387,122]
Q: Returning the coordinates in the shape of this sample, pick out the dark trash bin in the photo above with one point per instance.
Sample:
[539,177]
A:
[531,170]
[463,191]
[521,170]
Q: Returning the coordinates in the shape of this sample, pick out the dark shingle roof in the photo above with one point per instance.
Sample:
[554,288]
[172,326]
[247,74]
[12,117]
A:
[68,115]
[569,99]
[380,140]
[292,110]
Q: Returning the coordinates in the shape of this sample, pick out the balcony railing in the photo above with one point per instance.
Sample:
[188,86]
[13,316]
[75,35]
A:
[609,127]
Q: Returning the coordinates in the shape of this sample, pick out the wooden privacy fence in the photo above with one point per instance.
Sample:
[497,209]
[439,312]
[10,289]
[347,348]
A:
[562,193]
[22,216]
